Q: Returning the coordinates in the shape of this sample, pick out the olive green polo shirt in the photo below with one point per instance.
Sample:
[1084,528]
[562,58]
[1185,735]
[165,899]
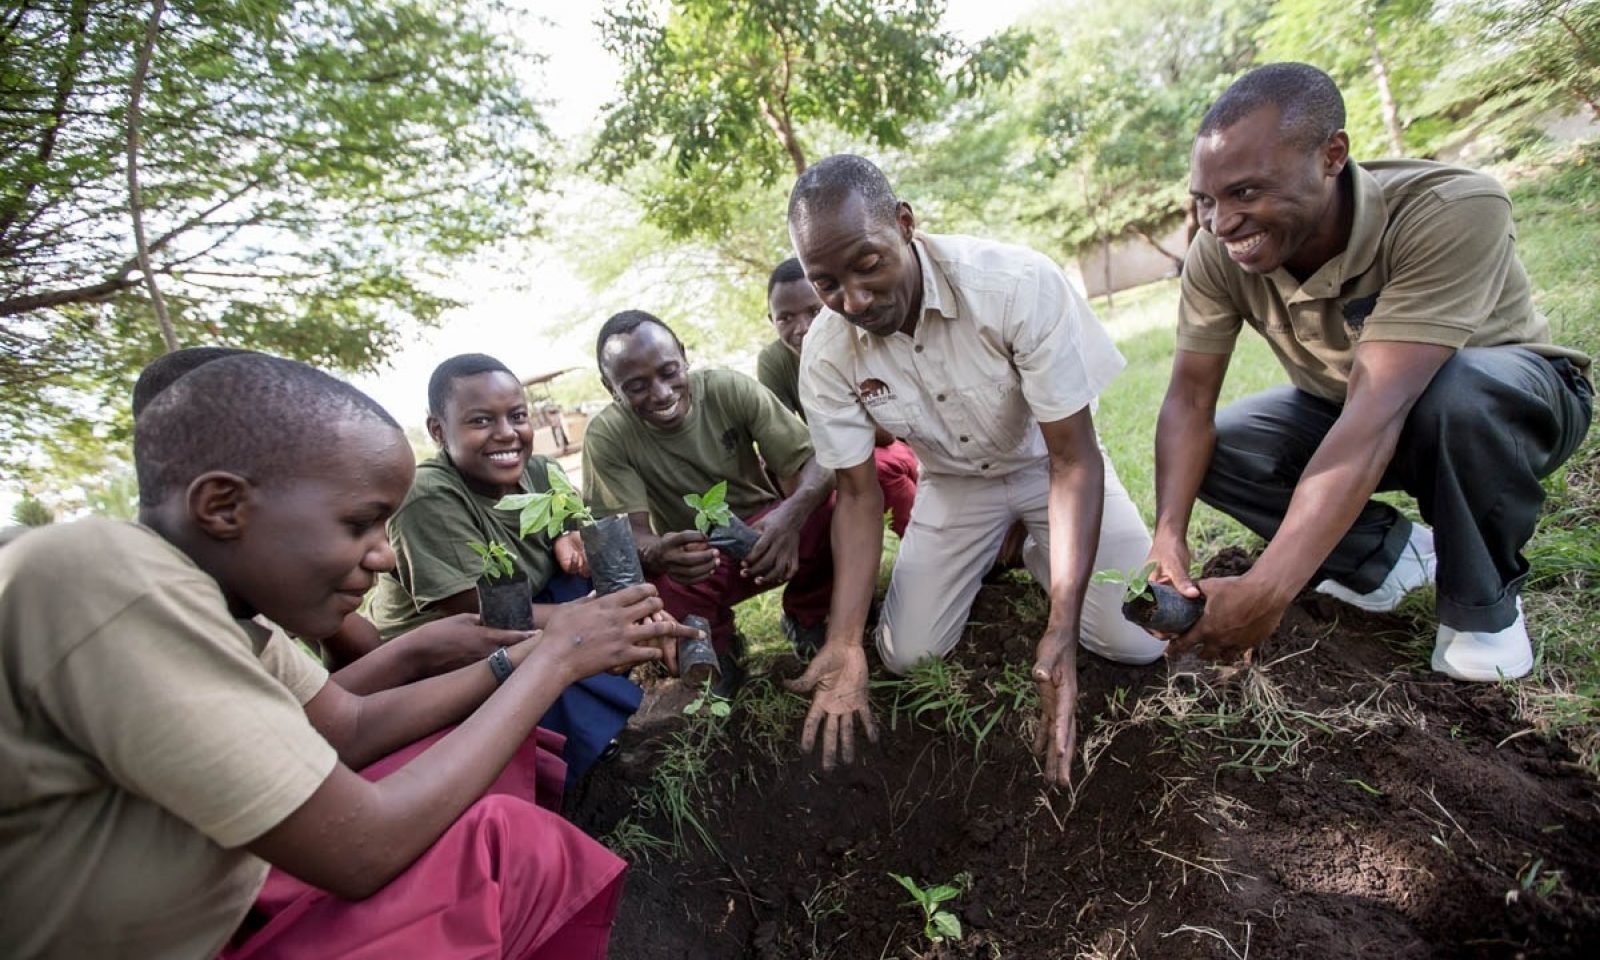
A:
[430,533]
[1431,259]
[630,466]
[778,369]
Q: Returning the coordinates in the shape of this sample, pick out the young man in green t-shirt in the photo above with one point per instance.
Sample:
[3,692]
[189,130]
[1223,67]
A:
[673,432]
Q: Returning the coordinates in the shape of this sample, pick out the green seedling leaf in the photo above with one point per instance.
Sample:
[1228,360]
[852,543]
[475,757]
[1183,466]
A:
[548,512]
[710,508]
[494,558]
[947,926]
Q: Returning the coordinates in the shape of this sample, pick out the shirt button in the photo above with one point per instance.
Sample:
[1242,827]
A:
[986,466]
[940,398]
[963,439]
[918,348]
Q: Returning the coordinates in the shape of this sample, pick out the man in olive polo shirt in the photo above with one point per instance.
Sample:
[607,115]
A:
[984,359]
[673,432]
[792,304]
[1392,295]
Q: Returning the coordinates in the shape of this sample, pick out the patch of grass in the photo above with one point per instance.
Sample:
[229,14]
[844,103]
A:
[633,841]
[681,782]
[940,695]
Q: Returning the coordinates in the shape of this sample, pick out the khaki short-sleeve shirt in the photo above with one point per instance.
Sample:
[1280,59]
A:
[1004,343]
[145,737]
[778,369]
[1432,259]
[430,533]
[630,466]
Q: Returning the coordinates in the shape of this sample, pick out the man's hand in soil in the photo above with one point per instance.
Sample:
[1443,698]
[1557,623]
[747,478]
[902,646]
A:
[1055,669]
[684,555]
[776,556]
[837,681]
[1239,615]
[570,557]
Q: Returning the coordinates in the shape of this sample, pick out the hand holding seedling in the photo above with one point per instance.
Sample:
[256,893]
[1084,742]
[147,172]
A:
[837,682]
[459,640]
[1055,669]
[1239,615]
[683,555]
[1169,559]
[776,556]
[597,634]
[570,557]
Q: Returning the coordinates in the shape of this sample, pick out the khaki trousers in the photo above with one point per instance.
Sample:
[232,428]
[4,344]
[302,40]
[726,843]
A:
[957,526]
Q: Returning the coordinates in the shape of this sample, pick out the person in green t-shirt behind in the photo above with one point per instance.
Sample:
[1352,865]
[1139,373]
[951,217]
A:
[479,417]
[673,432]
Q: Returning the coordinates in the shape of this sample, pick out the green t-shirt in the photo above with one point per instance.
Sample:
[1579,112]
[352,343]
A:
[778,369]
[430,533]
[632,467]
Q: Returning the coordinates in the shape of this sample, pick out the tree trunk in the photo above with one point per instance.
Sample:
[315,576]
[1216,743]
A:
[785,132]
[1105,261]
[168,336]
[1380,76]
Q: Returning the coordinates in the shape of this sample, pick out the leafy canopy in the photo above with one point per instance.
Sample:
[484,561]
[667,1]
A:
[549,511]
[307,170]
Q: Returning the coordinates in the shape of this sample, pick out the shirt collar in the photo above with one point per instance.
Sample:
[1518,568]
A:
[1368,215]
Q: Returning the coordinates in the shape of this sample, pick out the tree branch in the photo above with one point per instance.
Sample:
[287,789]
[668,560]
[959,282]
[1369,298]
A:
[142,250]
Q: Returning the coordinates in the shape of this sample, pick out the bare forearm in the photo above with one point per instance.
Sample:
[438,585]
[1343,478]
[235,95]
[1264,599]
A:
[806,491]
[1342,474]
[857,533]
[1077,502]
[393,664]
[1185,438]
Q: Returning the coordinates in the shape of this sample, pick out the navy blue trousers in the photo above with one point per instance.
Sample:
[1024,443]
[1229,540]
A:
[591,712]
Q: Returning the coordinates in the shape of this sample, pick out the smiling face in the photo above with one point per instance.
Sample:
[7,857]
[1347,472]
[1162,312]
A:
[1271,202]
[648,373]
[310,546]
[864,268]
[486,430]
[792,306]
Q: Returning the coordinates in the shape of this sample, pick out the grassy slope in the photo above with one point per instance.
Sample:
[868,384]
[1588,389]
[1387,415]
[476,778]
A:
[1558,213]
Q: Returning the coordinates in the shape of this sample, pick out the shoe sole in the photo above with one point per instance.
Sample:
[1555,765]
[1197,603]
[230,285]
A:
[1519,670]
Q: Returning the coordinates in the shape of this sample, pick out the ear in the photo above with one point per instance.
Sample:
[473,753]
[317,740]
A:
[906,219]
[435,430]
[219,504]
[1335,154]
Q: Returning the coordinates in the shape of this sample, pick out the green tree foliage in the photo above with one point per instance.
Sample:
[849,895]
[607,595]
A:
[305,168]
[727,94]
[1385,55]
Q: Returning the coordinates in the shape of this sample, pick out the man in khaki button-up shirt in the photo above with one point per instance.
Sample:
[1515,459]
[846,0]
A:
[982,358]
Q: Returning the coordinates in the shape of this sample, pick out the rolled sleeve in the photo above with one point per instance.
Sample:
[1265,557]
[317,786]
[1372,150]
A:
[842,433]
[1061,352]
[1209,318]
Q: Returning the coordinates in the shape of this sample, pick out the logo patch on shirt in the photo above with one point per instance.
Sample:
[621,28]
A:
[730,440]
[1358,310]
[873,391]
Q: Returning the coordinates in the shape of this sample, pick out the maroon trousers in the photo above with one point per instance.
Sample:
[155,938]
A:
[509,879]
[897,477]
[805,596]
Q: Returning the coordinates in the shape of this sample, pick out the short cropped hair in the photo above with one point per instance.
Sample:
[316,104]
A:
[830,181]
[462,365]
[788,271]
[1308,101]
[164,370]
[256,415]
[622,324]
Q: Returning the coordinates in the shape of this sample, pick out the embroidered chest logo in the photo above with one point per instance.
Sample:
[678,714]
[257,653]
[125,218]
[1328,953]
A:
[1358,310]
[873,392]
[730,440]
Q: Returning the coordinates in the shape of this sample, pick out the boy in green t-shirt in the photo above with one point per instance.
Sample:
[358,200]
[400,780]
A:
[673,432]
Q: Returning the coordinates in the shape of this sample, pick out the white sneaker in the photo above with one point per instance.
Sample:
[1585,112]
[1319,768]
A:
[1501,655]
[1414,569]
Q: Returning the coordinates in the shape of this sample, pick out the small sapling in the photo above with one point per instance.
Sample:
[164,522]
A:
[496,559]
[607,542]
[1154,606]
[938,925]
[505,600]
[714,518]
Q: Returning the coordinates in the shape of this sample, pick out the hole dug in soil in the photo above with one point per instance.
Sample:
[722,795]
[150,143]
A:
[1336,799]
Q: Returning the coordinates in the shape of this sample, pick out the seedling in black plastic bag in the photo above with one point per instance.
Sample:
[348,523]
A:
[496,559]
[548,511]
[607,542]
[710,508]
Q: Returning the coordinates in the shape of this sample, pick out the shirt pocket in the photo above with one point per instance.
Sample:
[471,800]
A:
[991,420]
[899,418]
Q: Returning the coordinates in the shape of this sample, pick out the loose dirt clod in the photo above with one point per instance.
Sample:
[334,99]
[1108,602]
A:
[1334,799]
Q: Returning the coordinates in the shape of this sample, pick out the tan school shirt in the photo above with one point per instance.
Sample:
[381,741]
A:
[734,424]
[778,369]
[1432,259]
[145,737]
[430,532]
[1004,343]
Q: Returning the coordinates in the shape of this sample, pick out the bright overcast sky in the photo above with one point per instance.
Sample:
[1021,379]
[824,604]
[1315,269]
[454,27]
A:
[510,306]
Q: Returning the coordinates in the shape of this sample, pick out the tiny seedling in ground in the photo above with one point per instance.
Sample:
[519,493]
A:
[1135,582]
[496,559]
[715,705]
[548,511]
[937,924]
[710,508]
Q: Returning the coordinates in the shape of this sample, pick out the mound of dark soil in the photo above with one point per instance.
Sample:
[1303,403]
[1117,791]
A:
[1334,800]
